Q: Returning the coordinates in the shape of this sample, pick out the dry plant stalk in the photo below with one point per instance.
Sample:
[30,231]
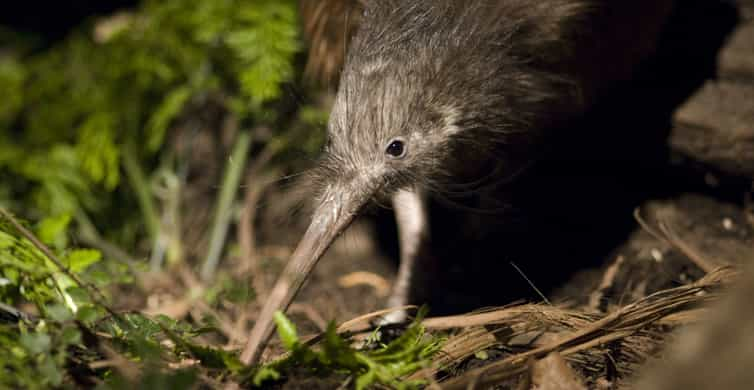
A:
[256,182]
[616,326]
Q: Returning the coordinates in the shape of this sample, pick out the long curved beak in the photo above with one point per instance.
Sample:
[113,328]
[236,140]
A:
[339,205]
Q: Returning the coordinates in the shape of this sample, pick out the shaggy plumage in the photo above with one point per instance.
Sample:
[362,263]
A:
[450,95]
[472,87]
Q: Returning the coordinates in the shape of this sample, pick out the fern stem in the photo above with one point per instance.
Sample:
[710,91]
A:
[94,293]
[233,173]
[140,186]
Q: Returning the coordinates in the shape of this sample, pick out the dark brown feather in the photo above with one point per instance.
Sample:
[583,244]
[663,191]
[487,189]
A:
[328,25]
[470,85]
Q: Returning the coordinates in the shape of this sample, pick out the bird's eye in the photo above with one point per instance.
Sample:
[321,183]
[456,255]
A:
[396,148]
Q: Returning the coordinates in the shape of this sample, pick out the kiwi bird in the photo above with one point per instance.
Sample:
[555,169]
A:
[435,94]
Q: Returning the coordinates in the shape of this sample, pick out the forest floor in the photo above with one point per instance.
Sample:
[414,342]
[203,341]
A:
[625,240]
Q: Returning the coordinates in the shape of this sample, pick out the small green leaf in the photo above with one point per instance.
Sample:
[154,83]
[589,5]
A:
[286,331]
[52,231]
[214,357]
[265,374]
[87,314]
[100,277]
[50,371]
[70,335]
[59,313]
[80,259]
[365,380]
[170,107]
[97,151]
[78,294]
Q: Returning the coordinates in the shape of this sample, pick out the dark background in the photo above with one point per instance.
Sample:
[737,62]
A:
[52,20]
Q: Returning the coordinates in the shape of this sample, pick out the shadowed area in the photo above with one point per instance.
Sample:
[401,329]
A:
[53,20]
[571,209]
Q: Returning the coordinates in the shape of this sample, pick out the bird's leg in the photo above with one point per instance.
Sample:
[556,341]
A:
[416,265]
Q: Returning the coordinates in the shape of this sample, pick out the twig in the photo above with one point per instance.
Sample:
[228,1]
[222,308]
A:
[226,325]
[649,229]
[143,194]
[233,172]
[255,184]
[378,283]
[94,293]
[608,279]
[698,259]
[311,313]
[242,318]
[544,298]
[749,205]
[247,238]
[125,367]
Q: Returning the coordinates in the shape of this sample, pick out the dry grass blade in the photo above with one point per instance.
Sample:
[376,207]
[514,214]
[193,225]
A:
[380,285]
[311,313]
[256,182]
[351,325]
[698,259]
[549,314]
[615,326]
[124,366]
[608,279]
